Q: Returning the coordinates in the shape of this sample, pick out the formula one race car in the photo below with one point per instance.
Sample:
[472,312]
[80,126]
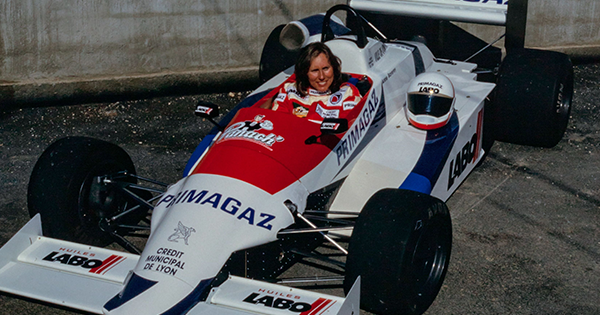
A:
[266,188]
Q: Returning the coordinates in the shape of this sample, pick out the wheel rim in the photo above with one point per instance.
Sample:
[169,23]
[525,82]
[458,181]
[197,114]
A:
[563,102]
[430,259]
[94,205]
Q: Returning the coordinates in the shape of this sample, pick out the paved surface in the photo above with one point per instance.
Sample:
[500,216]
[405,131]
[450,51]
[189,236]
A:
[526,222]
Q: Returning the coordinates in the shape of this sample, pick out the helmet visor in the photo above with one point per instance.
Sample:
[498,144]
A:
[429,104]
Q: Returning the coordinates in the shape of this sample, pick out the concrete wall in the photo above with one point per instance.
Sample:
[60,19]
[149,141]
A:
[53,50]
[50,48]
[569,26]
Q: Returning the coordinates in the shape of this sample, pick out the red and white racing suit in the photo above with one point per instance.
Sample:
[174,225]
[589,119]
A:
[317,105]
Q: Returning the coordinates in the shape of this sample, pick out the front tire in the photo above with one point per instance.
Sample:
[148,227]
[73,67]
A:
[400,247]
[61,191]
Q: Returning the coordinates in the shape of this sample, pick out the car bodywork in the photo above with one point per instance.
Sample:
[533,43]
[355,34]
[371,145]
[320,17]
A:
[220,201]
[252,180]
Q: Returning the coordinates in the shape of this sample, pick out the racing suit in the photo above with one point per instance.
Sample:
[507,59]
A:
[316,106]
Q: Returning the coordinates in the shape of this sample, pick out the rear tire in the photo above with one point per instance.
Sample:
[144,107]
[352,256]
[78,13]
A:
[400,247]
[275,58]
[60,188]
[532,100]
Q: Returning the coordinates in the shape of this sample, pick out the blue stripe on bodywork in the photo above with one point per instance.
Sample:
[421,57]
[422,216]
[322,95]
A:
[418,183]
[204,144]
[207,140]
[433,157]
[191,300]
[136,286]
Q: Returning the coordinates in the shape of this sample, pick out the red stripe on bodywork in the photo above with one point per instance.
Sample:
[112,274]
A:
[324,307]
[317,306]
[112,260]
[479,135]
[111,266]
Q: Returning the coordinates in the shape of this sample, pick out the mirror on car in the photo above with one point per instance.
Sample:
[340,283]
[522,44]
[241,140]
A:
[329,126]
[333,126]
[207,110]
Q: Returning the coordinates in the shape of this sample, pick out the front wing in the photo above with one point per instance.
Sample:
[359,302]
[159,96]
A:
[84,277]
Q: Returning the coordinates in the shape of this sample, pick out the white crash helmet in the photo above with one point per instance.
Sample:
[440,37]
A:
[430,101]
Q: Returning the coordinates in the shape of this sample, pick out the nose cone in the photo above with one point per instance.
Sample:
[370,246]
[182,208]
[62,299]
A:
[143,296]
[204,219]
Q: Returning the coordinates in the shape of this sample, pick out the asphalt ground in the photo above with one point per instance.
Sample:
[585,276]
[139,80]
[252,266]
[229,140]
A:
[526,222]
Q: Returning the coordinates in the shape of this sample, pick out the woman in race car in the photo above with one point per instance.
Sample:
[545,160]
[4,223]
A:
[319,91]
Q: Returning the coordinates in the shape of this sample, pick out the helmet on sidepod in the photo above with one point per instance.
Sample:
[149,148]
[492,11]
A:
[430,101]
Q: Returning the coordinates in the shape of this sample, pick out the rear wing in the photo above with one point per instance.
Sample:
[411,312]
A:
[512,14]
[482,12]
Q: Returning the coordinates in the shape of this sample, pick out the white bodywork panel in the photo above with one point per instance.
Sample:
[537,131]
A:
[24,272]
[203,218]
[245,294]
[67,281]
[392,154]
[212,216]
[491,12]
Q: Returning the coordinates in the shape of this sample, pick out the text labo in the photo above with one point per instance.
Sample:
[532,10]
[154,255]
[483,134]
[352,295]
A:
[73,260]
[279,303]
[429,90]
[463,158]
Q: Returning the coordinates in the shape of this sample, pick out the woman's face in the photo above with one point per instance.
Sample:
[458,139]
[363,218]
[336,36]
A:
[320,73]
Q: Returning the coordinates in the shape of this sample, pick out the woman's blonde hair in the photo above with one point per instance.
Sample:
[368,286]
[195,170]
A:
[309,53]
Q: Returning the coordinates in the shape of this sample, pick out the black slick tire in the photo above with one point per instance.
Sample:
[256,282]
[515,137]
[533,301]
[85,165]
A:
[400,247]
[274,57]
[59,188]
[532,99]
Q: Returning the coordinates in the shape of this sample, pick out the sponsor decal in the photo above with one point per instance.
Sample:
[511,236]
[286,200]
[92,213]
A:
[165,260]
[389,75]
[464,157]
[336,98]
[353,137]
[181,232]
[299,110]
[290,302]
[314,92]
[330,126]
[430,84]
[428,90]
[291,90]
[349,105]
[327,113]
[250,131]
[280,97]
[218,201]
[84,260]
[501,2]
[376,54]
[203,110]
